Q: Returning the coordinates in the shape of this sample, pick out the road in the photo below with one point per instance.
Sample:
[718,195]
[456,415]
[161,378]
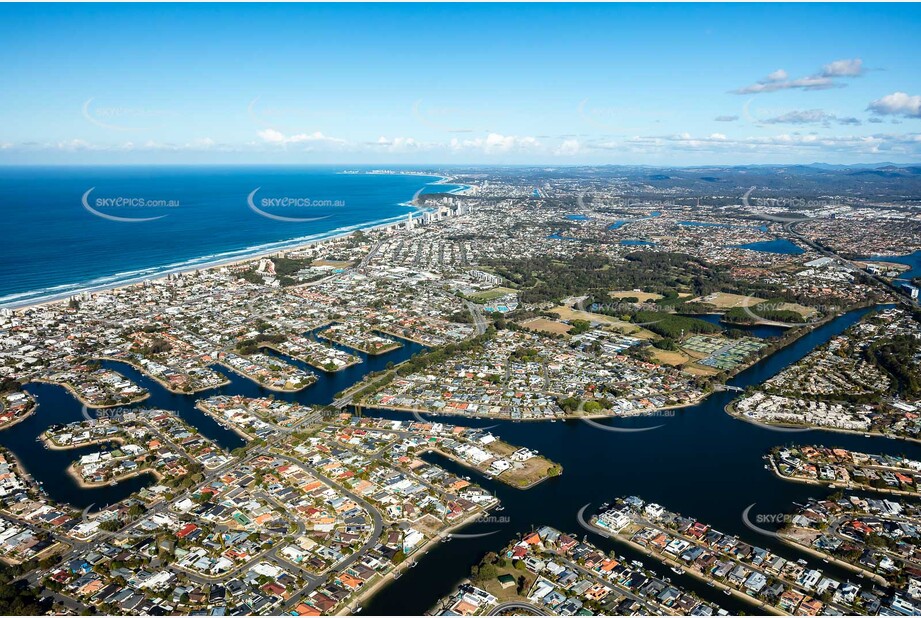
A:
[479,322]
[790,228]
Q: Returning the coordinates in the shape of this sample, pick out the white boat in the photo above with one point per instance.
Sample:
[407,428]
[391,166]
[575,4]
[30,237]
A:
[677,571]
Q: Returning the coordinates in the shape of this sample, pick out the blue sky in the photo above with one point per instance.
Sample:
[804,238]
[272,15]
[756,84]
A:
[651,84]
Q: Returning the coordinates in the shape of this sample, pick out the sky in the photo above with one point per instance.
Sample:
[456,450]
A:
[442,84]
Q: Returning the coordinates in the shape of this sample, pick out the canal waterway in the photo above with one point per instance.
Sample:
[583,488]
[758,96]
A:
[697,461]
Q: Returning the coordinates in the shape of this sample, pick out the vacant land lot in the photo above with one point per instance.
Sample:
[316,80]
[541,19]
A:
[547,326]
[641,296]
[722,300]
[669,357]
[492,294]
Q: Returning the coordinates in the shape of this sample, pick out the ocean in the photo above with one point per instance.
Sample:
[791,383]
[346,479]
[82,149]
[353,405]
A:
[75,228]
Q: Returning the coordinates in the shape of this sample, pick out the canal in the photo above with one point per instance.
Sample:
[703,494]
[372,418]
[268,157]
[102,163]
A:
[698,461]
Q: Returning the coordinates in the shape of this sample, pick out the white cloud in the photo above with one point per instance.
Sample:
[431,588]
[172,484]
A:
[271,136]
[843,68]
[568,148]
[777,76]
[897,104]
[824,79]
[784,144]
[398,144]
[497,143]
[803,83]
[808,116]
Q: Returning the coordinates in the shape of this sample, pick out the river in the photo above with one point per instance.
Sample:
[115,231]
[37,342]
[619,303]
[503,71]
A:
[699,461]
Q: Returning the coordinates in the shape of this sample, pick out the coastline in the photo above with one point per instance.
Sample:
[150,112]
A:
[833,560]
[666,561]
[729,408]
[245,254]
[166,385]
[274,348]
[223,422]
[850,486]
[72,471]
[70,389]
[265,386]
[52,446]
[19,418]
[366,594]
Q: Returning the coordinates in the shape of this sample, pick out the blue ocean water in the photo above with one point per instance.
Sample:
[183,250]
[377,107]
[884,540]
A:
[54,246]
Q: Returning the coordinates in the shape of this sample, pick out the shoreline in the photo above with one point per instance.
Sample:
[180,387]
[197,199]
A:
[833,560]
[166,385]
[668,562]
[83,484]
[483,473]
[21,417]
[730,410]
[276,349]
[57,447]
[70,389]
[265,386]
[246,254]
[562,417]
[849,486]
[223,422]
[367,594]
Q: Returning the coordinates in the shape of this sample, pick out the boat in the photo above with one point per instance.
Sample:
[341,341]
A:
[500,508]
[710,583]
[727,592]
[677,571]
[636,563]
[866,435]
[801,562]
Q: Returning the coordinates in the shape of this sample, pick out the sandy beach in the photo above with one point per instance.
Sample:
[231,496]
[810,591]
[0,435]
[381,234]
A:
[248,256]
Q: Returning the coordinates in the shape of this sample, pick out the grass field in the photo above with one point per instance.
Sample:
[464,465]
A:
[642,296]
[722,300]
[669,357]
[568,313]
[333,263]
[492,294]
[806,312]
[547,326]
[699,370]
